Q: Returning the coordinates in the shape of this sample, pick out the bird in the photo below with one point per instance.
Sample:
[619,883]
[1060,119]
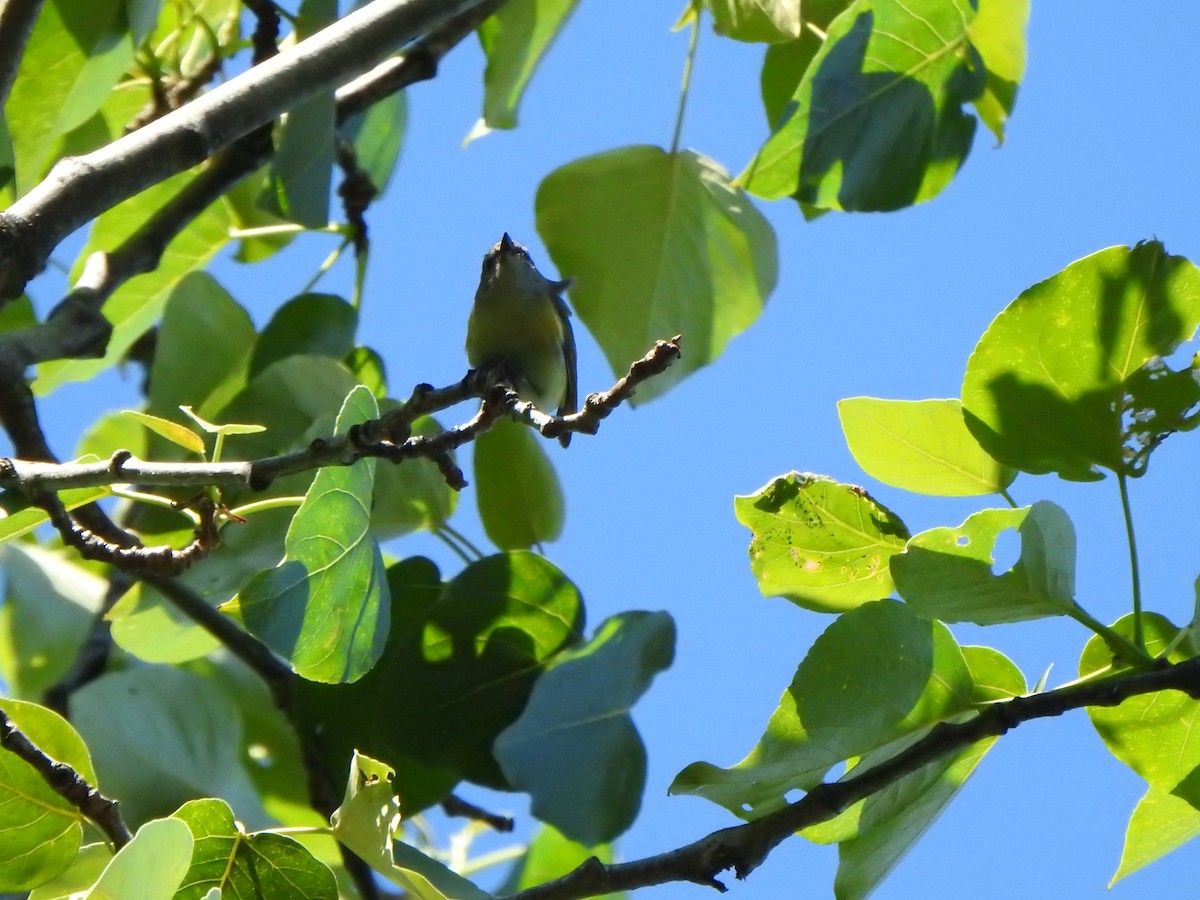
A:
[521,321]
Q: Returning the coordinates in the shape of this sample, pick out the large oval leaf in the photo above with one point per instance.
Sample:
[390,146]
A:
[1070,377]
[659,244]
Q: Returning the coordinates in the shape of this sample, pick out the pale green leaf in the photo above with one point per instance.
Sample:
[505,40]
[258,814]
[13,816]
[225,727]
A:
[42,830]
[920,445]
[998,33]
[550,856]
[150,867]
[520,499]
[878,120]
[18,516]
[172,431]
[947,573]
[514,40]
[659,244]
[83,872]
[325,608]
[823,545]
[766,21]
[1161,822]
[1070,376]
[877,674]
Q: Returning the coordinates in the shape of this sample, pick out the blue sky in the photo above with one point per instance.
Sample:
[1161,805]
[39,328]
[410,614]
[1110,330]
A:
[1100,151]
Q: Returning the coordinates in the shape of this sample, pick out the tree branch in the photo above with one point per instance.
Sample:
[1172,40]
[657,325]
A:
[388,437]
[744,847]
[80,188]
[67,783]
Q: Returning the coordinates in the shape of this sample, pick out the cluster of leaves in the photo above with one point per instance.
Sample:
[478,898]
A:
[1071,379]
[486,675]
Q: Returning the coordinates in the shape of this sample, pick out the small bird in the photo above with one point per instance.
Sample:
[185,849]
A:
[520,319]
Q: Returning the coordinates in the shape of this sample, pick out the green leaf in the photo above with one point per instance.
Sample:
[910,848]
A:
[143,16]
[18,517]
[549,856]
[878,120]
[366,822]
[376,135]
[785,64]
[765,21]
[153,629]
[998,33]
[659,244]
[242,865]
[1157,735]
[1069,377]
[296,399]
[920,445]
[85,869]
[172,431]
[325,607]
[574,748]
[886,825]
[1161,822]
[303,162]
[823,545]
[161,736]
[946,573]
[412,495]
[368,367]
[49,605]
[137,304]
[314,324]
[42,831]
[467,654]
[76,54]
[520,499]
[150,867]
[201,350]
[514,40]
[877,674]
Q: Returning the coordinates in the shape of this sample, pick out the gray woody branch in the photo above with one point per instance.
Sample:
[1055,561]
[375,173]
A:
[388,437]
[743,848]
[80,188]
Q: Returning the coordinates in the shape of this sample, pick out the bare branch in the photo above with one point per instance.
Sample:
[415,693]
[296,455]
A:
[78,189]
[67,783]
[743,848]
[388,437]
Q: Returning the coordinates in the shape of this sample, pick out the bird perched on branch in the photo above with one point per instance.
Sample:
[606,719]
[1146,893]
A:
[521,320]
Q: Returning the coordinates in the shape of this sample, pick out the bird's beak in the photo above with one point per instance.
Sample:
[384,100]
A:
[506,244]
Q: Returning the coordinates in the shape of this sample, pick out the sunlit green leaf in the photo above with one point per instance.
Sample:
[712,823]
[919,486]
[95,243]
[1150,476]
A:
[696,257]
[823,545]
[574,748]
[325,608]
[172,431]
[520,499]
[947,573]
[878,120]
[768,21]
[920,445]
[42,830]
[877,674]
[1070,376]
[136,305]
[412,495]
[1161,822]
[18,516]
[998,33]
[83,872]
[514,40]
[76,53]
[550,856]
[244,865]
[150,867]
[366,823]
